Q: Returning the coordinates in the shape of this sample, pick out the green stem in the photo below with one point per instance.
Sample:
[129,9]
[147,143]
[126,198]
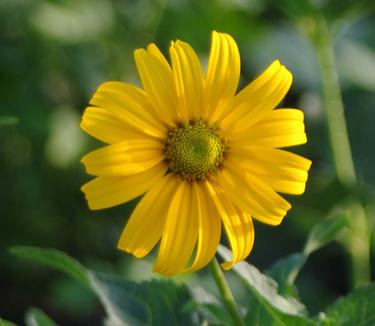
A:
[226,292]
[358,244]
[334,107]
[358,238]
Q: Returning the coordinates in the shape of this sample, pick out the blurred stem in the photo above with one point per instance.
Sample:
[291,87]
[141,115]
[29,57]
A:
[357,240]
[334,107]
[226,292]
[358,244]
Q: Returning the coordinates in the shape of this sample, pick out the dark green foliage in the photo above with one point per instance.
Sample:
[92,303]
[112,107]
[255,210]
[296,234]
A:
[155,302]
[357,308]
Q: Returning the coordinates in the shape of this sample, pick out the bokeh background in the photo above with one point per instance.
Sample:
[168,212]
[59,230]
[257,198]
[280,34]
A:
[53,55]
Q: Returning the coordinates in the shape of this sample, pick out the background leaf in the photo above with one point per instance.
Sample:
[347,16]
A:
[325,232]
[285,272]
[155,302]
[357,308]
[6,323]
[8,121]
[36,317]
[54,258]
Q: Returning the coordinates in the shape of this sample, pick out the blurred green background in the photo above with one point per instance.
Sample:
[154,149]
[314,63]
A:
[53,55]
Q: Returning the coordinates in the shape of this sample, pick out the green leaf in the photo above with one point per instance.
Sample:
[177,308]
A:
[36,317]
[8,121]
[259,314]
[6,323]
[285,272]
[155,302]
[264,288]
[54,258]
[325,232]
[213,312]
[122,306]
[357,308]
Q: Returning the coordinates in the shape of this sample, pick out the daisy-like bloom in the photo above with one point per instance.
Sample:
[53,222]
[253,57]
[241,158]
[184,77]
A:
[205,156]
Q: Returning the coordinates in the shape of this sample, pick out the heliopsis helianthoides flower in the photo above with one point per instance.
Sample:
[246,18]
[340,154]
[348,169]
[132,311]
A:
[205,156]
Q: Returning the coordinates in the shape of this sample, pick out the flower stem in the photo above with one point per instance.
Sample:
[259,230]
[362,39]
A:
[226,292]
[358,245]
[334,107]
[357,241]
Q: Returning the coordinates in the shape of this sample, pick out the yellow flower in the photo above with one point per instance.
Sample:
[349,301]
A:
[204,155]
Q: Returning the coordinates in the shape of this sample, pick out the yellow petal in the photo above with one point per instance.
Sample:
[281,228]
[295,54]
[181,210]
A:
[188,80]
[146,223]
[128,91]
[284,114]
[280,128]
[281,170]
[223,74]
[104,192]
[125,158]
[209,226]
[129,106]
[157,80]
[104,126]
[180,233]
[257,99]
[251,195]
[238,225]
[156,53]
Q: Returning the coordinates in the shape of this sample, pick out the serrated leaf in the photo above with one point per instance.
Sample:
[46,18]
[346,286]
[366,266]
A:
[357,308]
[8,121]
[285,271]
[36,317]
[54,258]
[325,232]
[263,287]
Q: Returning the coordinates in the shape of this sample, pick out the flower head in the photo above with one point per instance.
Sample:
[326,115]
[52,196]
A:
[204,156]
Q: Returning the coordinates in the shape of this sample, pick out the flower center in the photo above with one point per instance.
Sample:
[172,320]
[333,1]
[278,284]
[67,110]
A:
[194,150]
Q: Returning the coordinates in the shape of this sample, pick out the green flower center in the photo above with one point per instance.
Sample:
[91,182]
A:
[194,150]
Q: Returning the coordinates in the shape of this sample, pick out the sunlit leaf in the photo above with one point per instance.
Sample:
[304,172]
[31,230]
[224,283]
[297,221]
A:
[264,288]
[36,317]
[357,308]
[259,314]
[325,232]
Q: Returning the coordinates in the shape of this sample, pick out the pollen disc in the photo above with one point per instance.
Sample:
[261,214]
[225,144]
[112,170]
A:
[194,150]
